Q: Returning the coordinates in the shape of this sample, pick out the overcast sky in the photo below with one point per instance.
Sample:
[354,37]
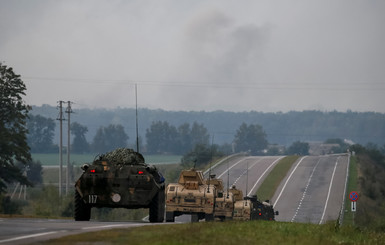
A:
[261,55]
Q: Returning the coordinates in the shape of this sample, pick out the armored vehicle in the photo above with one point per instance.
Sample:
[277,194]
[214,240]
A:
[191,195]
[224,200]
[120,179]
[250,208]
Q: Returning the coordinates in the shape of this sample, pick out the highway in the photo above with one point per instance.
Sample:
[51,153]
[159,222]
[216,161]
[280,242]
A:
[29,230]
[313,190]
[246,173]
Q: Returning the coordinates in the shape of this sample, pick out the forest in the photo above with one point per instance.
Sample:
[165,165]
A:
[281,128]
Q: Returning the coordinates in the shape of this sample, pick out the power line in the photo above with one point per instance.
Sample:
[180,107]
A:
[263,85]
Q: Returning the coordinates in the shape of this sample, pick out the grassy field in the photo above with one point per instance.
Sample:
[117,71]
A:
[52,159]
[272,181]
[252,232]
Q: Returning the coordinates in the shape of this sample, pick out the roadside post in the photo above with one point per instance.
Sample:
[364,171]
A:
[353,196]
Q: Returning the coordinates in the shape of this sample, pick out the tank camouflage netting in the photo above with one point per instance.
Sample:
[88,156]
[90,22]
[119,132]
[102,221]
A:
[122,156]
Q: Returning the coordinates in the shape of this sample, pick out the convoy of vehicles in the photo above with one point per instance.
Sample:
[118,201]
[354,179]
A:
[207,199]
[122,179]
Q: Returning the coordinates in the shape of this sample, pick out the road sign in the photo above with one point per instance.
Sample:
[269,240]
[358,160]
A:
[353,196]
[354,206]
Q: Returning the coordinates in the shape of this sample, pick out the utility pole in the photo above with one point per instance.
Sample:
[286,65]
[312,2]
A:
[68,111]
[60,118]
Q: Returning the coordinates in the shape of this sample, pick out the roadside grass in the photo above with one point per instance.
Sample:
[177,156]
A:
[277,174]
[352,186]
[52,159]
[252,232]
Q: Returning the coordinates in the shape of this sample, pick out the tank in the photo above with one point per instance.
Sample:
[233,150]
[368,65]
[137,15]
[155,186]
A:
[191,195]
[120,179]
[224,200]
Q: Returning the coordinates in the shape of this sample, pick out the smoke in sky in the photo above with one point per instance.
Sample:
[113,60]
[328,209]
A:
[199,55]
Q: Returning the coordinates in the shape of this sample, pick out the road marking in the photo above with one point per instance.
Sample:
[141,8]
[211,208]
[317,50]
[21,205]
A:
[330,188]
[264,174]
[232,166]
[284,186]
[29,236]
[106,226]
[244,172]
[304,193]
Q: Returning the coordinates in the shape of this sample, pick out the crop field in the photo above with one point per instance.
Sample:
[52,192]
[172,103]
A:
[52,159]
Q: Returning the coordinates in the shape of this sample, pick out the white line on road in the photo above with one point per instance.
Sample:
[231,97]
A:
[304,193]
[284,186]
[231,167]
[330,188]
[264,174]
[28,236]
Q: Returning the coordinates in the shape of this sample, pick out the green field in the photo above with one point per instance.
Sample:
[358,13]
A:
[52,159]
[252,232]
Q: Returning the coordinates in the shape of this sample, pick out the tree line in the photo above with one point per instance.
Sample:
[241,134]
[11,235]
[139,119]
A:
[161,138]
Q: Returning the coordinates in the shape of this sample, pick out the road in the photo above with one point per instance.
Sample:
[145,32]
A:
[246,173]
[313,190]
[25,231]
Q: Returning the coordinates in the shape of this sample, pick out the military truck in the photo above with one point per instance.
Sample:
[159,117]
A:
[250,208]
[120,179]
[191,195]
[224,200]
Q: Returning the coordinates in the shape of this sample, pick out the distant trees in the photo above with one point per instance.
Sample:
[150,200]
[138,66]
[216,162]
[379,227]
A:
[109,138]
[41,131]
[13,131]
[79,144]
[163,137]
[298,148]
[201,155]
[250,138]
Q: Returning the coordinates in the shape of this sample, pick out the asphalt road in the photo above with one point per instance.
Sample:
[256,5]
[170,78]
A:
[246,173]
[313,190]
[25,231]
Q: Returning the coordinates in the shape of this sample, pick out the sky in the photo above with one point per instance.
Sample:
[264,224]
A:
[266,55]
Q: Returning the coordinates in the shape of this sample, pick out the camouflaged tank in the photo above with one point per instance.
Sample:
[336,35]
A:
[120,179]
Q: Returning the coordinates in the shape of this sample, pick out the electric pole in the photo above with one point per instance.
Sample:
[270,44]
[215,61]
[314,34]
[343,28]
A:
[68,111]
[60,118]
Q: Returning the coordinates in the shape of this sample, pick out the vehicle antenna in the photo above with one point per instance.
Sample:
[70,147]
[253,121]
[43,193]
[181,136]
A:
[212,146]
[247,177]
[228,179]
[136,111]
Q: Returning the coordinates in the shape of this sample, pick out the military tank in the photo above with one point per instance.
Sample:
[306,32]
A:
[191,195]
[120,179]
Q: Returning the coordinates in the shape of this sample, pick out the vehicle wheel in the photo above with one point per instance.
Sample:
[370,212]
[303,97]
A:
[170,217]
[156,212]
[82,210]
[194,218]
[209,217]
